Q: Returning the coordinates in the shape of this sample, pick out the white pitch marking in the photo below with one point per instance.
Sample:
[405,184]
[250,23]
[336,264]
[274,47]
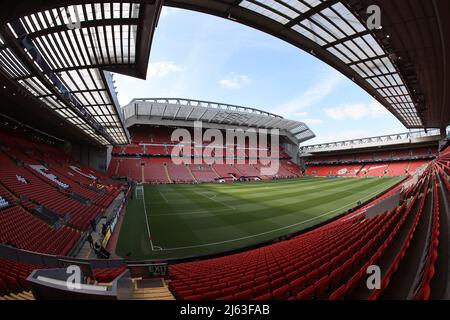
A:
[212,213]
[163,196]
[146,220]
[262,233]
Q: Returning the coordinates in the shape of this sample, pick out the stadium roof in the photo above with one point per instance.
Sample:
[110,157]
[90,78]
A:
[60,55]
[403,64]
[66,65]
[412,137]
[175,109]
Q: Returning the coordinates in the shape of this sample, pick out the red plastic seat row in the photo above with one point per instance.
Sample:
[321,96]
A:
[424,291]
[398,259]
[13,276]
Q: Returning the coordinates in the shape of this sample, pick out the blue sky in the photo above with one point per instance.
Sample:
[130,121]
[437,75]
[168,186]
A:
[198,56]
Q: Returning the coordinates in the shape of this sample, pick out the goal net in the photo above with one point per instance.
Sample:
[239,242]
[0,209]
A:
[139,192]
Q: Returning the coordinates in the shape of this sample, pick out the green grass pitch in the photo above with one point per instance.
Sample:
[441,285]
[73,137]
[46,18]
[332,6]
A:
[187,220]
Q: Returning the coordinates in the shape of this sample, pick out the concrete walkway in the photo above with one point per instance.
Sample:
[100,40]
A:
[87,252]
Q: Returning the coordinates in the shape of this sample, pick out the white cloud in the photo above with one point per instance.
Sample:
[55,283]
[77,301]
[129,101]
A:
[315,94]
[162,69]
[340,136]
[312,121]
[167,11]
[301,114]
[235,81]
[357,111]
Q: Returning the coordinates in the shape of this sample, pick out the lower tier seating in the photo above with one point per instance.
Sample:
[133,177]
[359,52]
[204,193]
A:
[107,275]
[164,170]
[19,228]
[408,154]
[389,169]
[13,276]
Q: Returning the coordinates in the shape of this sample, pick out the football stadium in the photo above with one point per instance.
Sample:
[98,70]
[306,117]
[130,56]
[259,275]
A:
[175,198]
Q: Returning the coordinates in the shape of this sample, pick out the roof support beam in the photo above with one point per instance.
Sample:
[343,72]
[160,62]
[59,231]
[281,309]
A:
[149,18]
[352,37]
[85,24]
[368,60]
[18,46]
[308,14]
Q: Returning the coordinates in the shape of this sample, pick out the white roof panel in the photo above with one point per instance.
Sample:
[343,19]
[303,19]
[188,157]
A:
[212,112]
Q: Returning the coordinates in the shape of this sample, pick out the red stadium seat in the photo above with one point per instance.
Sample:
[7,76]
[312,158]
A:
[339,294]
[244,295]
[281,293]
[306,294]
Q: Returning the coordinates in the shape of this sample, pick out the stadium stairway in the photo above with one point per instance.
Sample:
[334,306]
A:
[191,173]
[360,170]
[85,251]
[391,250]
[155,289]
[13,275]
[408,274]
[167,174]
[24,295]
[292,168]
[440,284]
[151,294]
[215,171]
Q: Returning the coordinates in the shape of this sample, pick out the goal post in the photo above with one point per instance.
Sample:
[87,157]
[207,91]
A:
[140,195]
[139,192]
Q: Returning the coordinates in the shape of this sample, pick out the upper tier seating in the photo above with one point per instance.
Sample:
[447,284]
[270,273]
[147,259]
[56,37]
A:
[156,135]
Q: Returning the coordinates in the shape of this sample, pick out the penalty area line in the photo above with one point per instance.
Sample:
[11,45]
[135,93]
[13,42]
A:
[163,196]
[215,200]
